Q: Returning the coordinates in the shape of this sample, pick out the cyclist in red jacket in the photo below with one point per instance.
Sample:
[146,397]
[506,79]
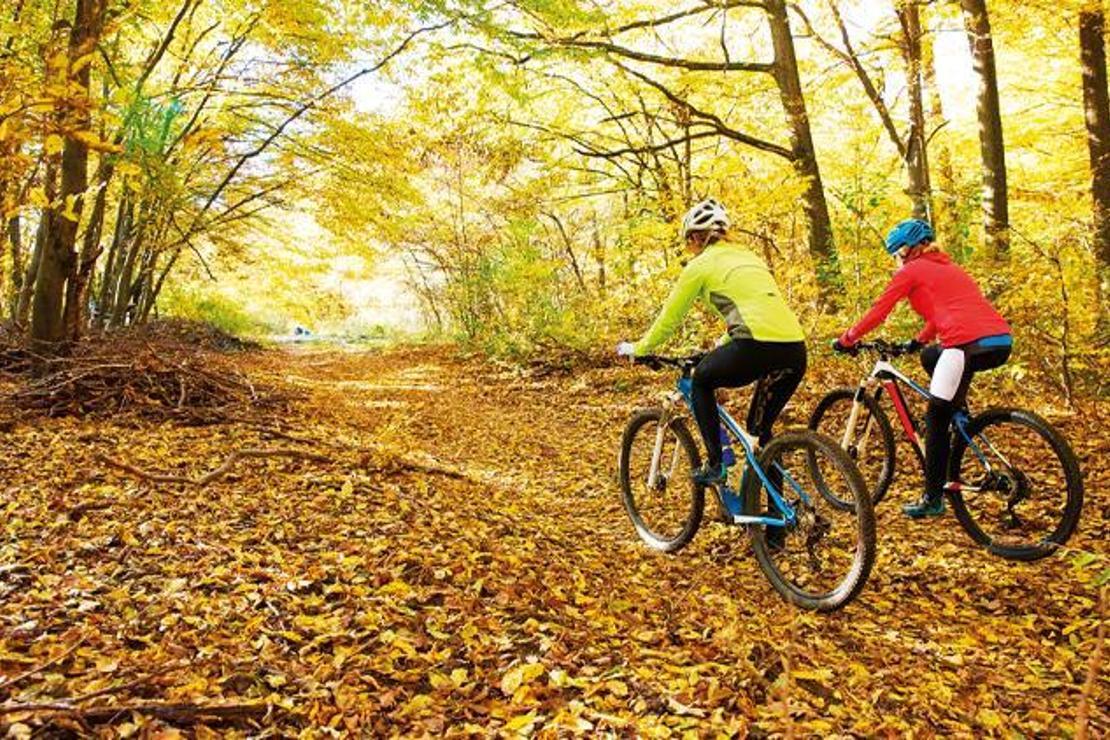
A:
[972,337]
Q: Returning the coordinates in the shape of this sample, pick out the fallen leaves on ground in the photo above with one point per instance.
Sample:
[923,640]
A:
[461,563]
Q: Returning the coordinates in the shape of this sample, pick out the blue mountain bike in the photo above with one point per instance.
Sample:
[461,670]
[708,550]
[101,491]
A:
[804,504]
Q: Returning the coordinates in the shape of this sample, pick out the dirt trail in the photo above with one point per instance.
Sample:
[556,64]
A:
[945,621]
[507,590]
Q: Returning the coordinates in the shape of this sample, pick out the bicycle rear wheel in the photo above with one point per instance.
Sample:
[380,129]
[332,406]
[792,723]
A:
[825,558]
[1030,488]
[666,512]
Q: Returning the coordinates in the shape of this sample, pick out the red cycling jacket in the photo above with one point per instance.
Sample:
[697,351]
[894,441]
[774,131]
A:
[944,295]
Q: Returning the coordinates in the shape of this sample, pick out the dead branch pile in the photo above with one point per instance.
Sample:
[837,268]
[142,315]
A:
[142,373]
[558,360]
[196,334]
[13,353]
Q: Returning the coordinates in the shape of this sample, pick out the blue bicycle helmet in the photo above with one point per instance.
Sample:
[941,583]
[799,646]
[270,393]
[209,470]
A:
[909,233]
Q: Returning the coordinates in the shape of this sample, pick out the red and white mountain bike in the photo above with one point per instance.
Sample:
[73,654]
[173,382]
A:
[1014,482]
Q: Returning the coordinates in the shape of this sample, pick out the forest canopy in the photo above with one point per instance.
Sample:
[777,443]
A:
[520,166]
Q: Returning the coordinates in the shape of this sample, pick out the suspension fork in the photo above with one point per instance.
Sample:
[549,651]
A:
[867,386]
[660,435]
[853,417]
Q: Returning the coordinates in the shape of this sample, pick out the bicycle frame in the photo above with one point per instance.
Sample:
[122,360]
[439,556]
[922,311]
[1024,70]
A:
[885,377]
[749,444]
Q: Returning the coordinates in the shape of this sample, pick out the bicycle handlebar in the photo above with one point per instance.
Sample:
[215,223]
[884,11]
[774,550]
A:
[883,348]
[655,362]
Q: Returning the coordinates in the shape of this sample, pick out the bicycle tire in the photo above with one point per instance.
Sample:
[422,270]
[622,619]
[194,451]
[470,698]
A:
[693,518]
[1073,476]
[850,586]
[885,476]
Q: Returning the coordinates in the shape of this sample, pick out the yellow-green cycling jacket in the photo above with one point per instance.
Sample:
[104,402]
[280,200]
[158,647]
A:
[736,285]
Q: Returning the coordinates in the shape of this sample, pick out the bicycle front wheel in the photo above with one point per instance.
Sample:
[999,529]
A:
[823,560]
[870,442]
[666,509]
[1021,490]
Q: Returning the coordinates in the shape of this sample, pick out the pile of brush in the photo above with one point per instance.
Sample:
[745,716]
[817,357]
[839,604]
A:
[179,373]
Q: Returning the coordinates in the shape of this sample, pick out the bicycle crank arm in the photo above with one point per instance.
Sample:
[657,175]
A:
[752,519]
[956,487]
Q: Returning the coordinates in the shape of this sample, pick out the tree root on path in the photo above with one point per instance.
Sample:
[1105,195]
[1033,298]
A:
[39,669]
[70,703]
[214,475]
[431,467]
[399,461]
[177,713]
[77,512]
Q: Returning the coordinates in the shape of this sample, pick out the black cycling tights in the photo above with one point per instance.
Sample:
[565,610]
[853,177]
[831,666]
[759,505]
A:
[969,359]
[778,366]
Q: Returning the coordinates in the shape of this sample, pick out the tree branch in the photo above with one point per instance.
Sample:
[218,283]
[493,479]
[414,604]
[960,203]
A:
[277,132]
[720,126]
[849,56]
[217,473]
[647,149]
[48,664]
[690,64]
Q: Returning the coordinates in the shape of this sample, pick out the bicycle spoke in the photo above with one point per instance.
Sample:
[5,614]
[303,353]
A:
[822,547]
[657,464]
[1018,492]
[793,484]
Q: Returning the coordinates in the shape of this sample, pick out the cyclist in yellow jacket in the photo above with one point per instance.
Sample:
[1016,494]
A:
[764,345]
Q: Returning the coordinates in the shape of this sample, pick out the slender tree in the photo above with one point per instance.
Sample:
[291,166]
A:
[996,207]
[1092,44]
[801,142]
[947,211]
[911,146]
[920,187]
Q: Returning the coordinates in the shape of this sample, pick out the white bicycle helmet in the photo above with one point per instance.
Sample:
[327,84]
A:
[709,215]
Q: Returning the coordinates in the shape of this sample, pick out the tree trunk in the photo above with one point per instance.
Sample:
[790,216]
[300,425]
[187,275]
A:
[804,157]
[77,290]
[1092,44]
[946,216]
[996,209]
[122,287]
[599,255]
[917,160]
[144,285]
[59,261]
[151,303]
[109,278]
[15,242]
[42,231]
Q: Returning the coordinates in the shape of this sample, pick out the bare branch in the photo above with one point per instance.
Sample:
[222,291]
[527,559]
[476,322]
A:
[849,56]
[720,126]
[213,475]
[696,65]
[613,153]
